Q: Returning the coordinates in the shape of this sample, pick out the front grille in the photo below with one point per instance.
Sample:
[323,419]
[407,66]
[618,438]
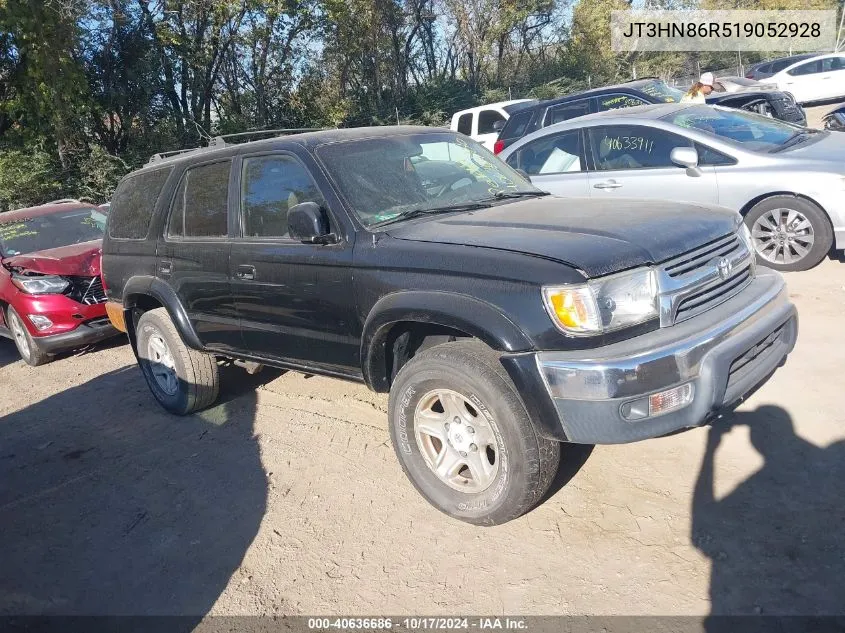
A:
[704,277]
[703,256]
[702,301]
[86,290]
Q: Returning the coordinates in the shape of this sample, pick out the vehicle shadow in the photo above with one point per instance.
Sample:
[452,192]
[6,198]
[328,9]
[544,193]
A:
[776,541]
[572,459]
[111,506]
[8,352]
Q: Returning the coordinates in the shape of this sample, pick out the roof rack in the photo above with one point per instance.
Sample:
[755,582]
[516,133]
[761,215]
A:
[220,141]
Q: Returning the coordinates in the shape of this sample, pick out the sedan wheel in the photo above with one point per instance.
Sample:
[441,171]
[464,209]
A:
[789,233]
[21,339]
[783,236]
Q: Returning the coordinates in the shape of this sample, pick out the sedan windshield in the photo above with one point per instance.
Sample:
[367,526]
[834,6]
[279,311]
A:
[397,177]
[42,232]
[751,131]
[659,90]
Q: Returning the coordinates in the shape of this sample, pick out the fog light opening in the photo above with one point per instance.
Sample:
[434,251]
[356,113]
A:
[40,322]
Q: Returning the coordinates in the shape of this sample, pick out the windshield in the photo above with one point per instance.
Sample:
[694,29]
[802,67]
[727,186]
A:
[383,178]
[42,232]
[751,131]
[661,91]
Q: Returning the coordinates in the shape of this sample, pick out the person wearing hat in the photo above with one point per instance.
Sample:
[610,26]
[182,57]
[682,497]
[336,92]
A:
[700,89]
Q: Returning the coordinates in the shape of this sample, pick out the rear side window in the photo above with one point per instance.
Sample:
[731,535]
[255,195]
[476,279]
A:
[465,124]
[133,204]
[199,208]
[555,154]
[486,120]
[567,111]
[774,68]
[516,125]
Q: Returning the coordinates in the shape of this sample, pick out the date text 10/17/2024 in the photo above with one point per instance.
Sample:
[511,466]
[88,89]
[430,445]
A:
[418,623]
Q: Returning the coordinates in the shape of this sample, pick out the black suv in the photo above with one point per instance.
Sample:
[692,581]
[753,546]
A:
[500,319]
[539,114]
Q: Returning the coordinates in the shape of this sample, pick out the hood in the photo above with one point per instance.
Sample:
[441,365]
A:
[598,237]
[81,260]
[829,151]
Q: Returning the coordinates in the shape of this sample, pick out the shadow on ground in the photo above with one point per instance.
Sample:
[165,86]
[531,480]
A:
[777,541]
[109,505]
[8,352]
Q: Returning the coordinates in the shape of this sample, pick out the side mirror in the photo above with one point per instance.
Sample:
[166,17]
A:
[307,223]
[685,157]
[498,125]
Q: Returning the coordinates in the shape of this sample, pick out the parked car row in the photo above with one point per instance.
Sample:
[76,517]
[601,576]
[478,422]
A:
[810,77]
[787,182]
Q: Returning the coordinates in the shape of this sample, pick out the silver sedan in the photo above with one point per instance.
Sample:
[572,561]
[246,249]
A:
[787,181]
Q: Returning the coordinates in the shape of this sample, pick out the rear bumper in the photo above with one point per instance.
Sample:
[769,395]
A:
[85,334]
[724,354]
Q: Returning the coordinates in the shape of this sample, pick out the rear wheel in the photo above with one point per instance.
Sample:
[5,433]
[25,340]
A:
[27,348]
[464,438]
[183,380]
[789,233]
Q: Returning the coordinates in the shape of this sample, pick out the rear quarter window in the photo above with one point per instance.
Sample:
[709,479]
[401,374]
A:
[516,125]
[133,204]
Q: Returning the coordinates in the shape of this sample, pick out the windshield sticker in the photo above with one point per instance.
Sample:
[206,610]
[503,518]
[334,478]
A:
[14,230]
[620,101]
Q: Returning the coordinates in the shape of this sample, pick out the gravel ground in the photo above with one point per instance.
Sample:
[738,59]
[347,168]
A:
[286,498]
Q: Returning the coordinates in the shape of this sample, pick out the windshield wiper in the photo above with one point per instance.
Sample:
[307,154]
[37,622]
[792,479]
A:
[798,137]
[504,195]
[415,213]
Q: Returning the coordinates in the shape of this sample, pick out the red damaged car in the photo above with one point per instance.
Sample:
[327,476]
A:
[51,290]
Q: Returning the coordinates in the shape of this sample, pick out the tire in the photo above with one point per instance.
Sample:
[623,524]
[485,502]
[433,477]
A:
[182,379]
[467,379]
[27,348]
[807,228]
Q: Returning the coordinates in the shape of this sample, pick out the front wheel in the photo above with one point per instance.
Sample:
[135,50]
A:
[464,438]
[27,348]
[789,233]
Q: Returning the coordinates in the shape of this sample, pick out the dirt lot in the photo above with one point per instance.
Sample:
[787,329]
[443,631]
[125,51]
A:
[287,498]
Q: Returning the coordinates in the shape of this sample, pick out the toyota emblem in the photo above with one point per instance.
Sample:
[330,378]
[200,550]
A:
[725,268]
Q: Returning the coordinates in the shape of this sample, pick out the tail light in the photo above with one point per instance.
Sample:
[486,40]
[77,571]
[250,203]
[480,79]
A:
[498,147]
[749,76]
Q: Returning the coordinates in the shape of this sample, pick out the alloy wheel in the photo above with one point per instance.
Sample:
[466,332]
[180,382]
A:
[457,442]
[19,333]
[783,236]
[162,365]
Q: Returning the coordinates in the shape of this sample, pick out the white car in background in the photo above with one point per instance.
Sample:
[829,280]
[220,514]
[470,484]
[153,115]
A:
[815,79]
[483,123]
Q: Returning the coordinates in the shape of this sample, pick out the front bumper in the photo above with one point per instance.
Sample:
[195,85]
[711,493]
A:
[84,334]
[725,353]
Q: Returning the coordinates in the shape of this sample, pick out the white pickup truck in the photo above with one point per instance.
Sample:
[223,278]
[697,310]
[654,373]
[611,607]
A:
[483,123]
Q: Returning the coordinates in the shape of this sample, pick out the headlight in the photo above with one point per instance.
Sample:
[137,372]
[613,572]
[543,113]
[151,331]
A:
[745,236]
[46,285]
[603,305]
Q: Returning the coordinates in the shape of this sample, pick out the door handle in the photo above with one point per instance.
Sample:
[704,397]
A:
[246,272]
[610,184]
[165,268]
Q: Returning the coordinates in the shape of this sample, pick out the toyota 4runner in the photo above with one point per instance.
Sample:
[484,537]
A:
[501,320]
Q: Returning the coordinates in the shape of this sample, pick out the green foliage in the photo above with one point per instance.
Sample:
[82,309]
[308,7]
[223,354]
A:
[28,177]
[90,89]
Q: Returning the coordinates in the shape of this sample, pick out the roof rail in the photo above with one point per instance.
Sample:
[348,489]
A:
[220,141]
[63,201]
